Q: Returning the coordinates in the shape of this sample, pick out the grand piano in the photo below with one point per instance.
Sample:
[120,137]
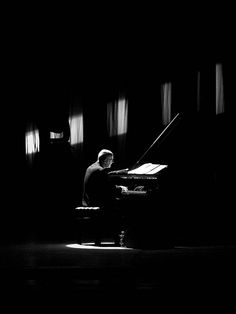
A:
[142,204]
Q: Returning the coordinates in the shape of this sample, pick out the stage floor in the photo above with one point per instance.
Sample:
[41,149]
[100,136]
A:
[69,271]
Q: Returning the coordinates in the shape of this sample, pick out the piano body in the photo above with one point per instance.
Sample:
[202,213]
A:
[142,204]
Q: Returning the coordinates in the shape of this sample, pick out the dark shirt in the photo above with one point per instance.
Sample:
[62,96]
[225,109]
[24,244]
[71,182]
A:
[97,190]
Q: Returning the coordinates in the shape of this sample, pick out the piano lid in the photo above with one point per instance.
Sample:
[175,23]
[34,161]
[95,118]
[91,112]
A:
[169,128]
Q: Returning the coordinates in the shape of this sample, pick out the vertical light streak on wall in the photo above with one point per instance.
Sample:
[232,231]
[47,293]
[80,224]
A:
[76,123]
[198,91]
[219,89]
[117,117]
[122,116]
[166,103]
[32,143]
[117,124]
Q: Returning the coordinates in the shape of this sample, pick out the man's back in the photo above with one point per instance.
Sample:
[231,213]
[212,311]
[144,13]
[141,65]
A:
[97,190]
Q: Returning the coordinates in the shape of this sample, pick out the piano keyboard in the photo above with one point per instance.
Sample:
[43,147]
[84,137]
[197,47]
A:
[133,192]
[138,177]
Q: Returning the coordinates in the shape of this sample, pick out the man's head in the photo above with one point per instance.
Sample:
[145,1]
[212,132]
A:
[105,158]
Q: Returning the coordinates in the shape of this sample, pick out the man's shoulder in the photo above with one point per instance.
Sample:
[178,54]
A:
[95,167]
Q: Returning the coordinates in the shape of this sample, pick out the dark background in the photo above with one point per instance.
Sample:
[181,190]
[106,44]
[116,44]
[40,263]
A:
[44,71]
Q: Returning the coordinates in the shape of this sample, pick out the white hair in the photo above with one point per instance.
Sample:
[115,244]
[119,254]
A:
[104,152]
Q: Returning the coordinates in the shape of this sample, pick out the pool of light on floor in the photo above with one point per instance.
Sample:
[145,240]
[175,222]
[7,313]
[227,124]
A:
[91,245]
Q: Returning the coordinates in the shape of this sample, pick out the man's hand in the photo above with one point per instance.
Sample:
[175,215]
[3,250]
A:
[122,188]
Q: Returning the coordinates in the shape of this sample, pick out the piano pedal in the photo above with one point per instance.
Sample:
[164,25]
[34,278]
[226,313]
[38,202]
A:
[122,236]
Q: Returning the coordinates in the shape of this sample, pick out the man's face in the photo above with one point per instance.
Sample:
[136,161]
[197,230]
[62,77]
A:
[108,162]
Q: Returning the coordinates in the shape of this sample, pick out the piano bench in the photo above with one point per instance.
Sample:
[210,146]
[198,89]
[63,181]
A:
[87,220]
[86,211]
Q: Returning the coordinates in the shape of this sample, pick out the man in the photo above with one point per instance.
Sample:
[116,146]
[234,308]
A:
[98,190]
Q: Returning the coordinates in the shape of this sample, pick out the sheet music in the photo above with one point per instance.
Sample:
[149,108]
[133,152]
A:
[157,169]
[148,168]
